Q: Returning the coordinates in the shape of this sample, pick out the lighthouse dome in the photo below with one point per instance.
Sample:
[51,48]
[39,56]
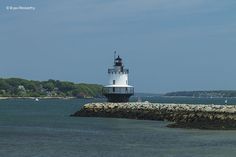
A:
[118,61]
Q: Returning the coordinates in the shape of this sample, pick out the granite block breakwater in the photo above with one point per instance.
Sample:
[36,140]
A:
[182,115]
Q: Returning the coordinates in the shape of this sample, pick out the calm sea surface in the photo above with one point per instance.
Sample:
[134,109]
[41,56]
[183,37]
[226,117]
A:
[45,129]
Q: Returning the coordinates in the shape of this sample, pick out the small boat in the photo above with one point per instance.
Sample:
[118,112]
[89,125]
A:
[226,101]
[36,99]
[139,99]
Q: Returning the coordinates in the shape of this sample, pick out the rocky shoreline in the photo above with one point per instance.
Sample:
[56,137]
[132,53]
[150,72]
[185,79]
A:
[198,116]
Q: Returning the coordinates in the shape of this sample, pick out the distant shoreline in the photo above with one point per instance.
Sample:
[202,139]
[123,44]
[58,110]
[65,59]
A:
[50,89]
[4,98]
[204,94]
[195,97]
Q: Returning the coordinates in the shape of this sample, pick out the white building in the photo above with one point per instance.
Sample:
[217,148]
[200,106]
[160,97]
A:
[118,89]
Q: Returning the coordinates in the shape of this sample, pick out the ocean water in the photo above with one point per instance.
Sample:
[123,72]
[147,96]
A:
[45,129]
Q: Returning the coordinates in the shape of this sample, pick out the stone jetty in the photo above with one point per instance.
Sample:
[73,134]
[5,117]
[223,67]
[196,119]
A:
[179,115]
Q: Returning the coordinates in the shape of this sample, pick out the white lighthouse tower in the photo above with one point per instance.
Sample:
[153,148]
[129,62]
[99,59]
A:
[118,89]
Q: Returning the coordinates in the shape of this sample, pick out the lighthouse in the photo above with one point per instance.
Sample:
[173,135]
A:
[118,89]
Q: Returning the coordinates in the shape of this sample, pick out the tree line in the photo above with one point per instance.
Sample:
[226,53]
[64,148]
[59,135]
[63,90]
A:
[214,93]
[17,87]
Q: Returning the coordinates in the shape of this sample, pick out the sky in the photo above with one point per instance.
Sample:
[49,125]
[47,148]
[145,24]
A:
[168,45]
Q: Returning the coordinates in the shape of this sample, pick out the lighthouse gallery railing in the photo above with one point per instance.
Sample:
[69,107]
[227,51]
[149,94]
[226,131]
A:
[118,90]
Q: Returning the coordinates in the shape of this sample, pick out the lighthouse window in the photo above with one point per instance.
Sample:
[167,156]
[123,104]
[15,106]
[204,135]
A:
[114,81]
[113,89]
